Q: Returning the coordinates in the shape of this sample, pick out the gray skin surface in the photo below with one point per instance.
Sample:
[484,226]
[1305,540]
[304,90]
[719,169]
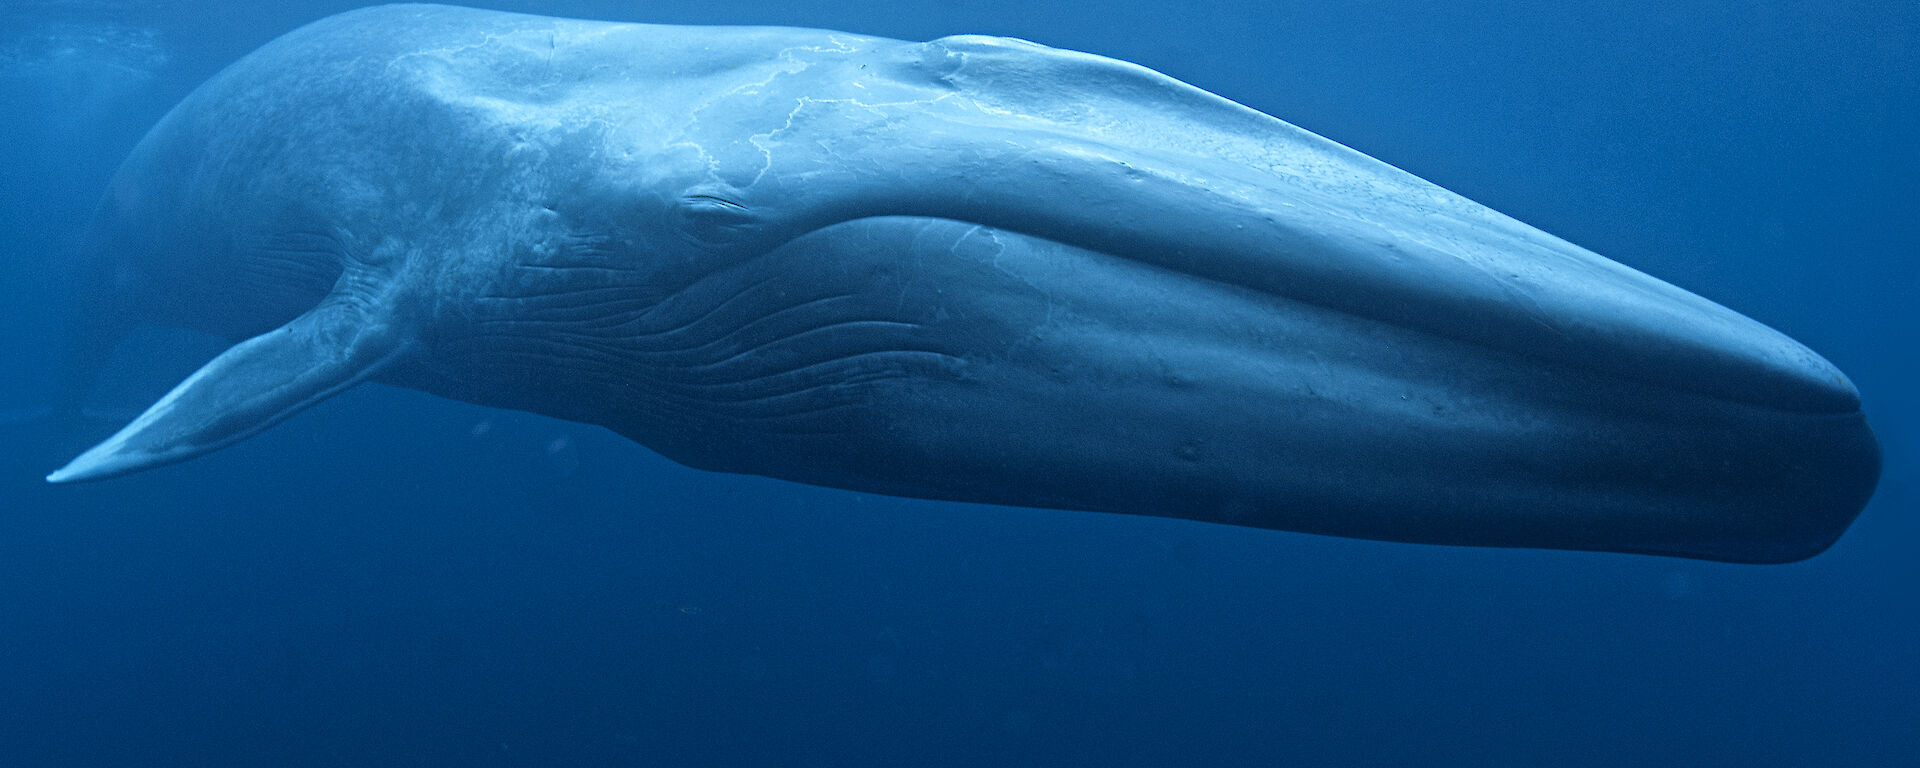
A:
[974,269]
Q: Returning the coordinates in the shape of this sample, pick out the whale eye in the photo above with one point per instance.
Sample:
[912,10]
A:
[714,219]
[713,202]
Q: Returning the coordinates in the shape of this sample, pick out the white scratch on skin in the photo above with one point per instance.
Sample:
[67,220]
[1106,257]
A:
[794,65]
[764,141]
[1000,249]
[767,152]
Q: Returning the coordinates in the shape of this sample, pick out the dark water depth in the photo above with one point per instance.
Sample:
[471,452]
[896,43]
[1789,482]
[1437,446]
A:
[392,579]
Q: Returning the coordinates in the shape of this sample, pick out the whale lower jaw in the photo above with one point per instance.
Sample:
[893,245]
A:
[1070,378]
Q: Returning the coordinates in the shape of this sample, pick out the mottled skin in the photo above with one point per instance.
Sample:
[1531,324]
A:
[973,269]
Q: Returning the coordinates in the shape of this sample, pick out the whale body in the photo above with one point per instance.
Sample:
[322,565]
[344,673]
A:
[974,269]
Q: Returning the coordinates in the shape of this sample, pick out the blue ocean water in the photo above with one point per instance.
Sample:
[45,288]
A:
[393,579]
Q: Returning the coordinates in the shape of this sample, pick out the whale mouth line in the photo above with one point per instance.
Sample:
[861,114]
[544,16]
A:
[1437,262]
[1710,352]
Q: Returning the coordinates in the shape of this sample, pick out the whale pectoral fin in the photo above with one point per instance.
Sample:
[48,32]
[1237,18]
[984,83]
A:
[248,388]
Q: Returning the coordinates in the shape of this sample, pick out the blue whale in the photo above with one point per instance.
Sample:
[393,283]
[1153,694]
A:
[974,269]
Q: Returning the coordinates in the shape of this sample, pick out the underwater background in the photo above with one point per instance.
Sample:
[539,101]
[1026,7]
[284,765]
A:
[393,579]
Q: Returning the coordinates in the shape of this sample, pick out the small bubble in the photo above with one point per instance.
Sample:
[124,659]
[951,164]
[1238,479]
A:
[562,457]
